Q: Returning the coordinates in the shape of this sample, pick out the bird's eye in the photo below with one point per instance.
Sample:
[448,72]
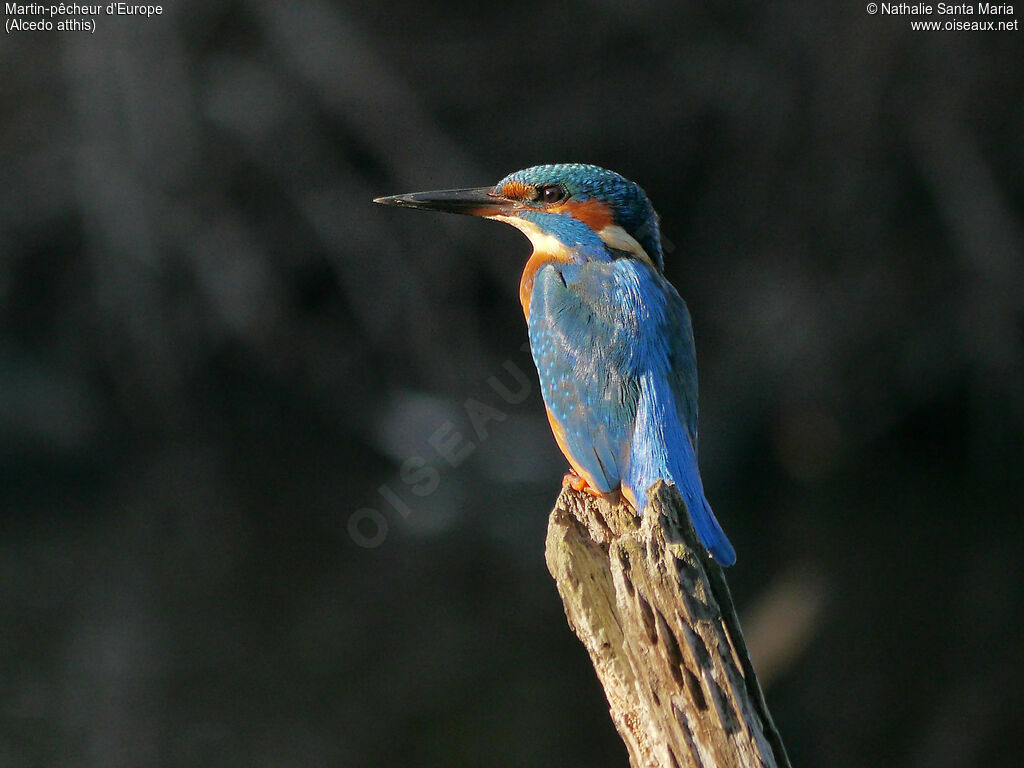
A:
[550,194]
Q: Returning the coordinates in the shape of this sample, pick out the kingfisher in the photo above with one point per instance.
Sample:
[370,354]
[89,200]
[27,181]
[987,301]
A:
[610,335]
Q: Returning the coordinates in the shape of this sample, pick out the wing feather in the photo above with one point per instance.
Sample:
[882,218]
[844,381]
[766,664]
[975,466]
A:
[583,345]
[614,347]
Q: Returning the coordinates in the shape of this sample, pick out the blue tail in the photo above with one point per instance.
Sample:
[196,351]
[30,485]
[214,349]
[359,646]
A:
[686,476]
[710,532]
[660,454]
[661,450]
[687,480]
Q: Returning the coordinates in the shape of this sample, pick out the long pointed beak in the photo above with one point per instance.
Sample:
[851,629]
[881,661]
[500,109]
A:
[481,201]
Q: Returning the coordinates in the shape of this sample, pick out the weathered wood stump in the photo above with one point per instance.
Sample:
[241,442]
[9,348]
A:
[655,614]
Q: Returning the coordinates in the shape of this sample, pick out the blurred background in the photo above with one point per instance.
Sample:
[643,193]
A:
[228,535]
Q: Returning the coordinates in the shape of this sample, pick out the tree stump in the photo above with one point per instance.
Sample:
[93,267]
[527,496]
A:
[655,614]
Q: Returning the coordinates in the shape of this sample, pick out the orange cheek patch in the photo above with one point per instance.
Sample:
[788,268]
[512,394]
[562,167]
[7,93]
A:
[594,213]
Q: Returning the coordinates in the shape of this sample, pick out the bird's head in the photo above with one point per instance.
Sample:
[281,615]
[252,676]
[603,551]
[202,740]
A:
[564,209]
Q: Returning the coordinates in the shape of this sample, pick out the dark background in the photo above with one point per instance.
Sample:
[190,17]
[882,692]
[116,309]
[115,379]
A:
[214,351]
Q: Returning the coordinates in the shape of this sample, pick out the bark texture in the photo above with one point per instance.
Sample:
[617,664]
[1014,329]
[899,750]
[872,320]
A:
[654,612]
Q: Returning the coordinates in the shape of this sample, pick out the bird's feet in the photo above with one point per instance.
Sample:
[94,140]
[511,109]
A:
[577,483]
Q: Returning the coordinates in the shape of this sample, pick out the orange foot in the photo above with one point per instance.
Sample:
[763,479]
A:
[577,483]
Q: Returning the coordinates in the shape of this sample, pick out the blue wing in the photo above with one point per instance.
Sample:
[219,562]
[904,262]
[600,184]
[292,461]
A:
[665,439]
[614,349]
[583,351]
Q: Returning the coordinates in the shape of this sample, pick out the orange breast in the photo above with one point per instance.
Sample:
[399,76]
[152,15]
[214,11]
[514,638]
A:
[536,261]
[594,213]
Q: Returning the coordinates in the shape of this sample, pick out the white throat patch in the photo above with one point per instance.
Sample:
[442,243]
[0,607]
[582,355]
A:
[541,240]
[613,236]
